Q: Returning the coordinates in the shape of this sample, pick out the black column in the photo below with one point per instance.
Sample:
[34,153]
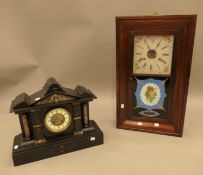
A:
[77,119]
[37,126]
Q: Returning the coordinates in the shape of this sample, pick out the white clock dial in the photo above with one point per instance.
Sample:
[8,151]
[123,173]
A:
[57,120]
[153,54]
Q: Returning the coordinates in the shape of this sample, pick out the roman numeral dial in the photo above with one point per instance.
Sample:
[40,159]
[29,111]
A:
[153,54]
[57,120]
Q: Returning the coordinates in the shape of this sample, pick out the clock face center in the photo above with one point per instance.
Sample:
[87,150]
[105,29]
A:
[151,54]
[57,119]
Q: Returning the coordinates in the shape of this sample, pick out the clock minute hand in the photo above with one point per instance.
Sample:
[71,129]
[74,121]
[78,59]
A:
[158,45]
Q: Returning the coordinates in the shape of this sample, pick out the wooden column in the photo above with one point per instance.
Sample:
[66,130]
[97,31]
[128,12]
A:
[25,126]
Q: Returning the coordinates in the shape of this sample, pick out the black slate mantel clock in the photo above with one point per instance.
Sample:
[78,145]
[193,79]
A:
[54,121]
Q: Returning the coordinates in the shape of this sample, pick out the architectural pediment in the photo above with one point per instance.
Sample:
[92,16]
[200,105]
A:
[54,98]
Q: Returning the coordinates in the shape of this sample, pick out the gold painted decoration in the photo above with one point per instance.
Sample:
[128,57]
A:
[54,98]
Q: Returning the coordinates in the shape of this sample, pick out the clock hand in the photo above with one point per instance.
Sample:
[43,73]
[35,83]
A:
[148,46]
[158,45]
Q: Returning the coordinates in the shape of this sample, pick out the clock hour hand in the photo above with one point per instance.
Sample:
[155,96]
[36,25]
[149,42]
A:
[148,46]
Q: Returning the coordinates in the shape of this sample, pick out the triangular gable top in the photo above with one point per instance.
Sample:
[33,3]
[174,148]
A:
[53,97]
[51,92]
[53,86]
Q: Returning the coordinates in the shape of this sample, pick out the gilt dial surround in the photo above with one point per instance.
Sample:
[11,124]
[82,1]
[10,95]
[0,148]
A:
[57,120]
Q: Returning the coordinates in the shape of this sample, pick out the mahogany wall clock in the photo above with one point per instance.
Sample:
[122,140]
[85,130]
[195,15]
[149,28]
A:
[154,55]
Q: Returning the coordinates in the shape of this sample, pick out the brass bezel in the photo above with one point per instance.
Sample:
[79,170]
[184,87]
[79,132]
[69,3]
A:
[58,130]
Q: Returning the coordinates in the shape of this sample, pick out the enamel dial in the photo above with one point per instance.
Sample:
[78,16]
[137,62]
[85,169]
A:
[153,54]
[57,120]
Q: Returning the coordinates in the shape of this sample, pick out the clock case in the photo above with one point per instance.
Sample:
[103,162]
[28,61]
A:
[36,142]
[182,27]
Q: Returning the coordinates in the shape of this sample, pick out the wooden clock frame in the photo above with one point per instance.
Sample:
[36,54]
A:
[183,29]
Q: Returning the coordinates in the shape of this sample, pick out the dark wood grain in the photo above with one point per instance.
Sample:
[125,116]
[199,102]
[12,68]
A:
[183,29]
